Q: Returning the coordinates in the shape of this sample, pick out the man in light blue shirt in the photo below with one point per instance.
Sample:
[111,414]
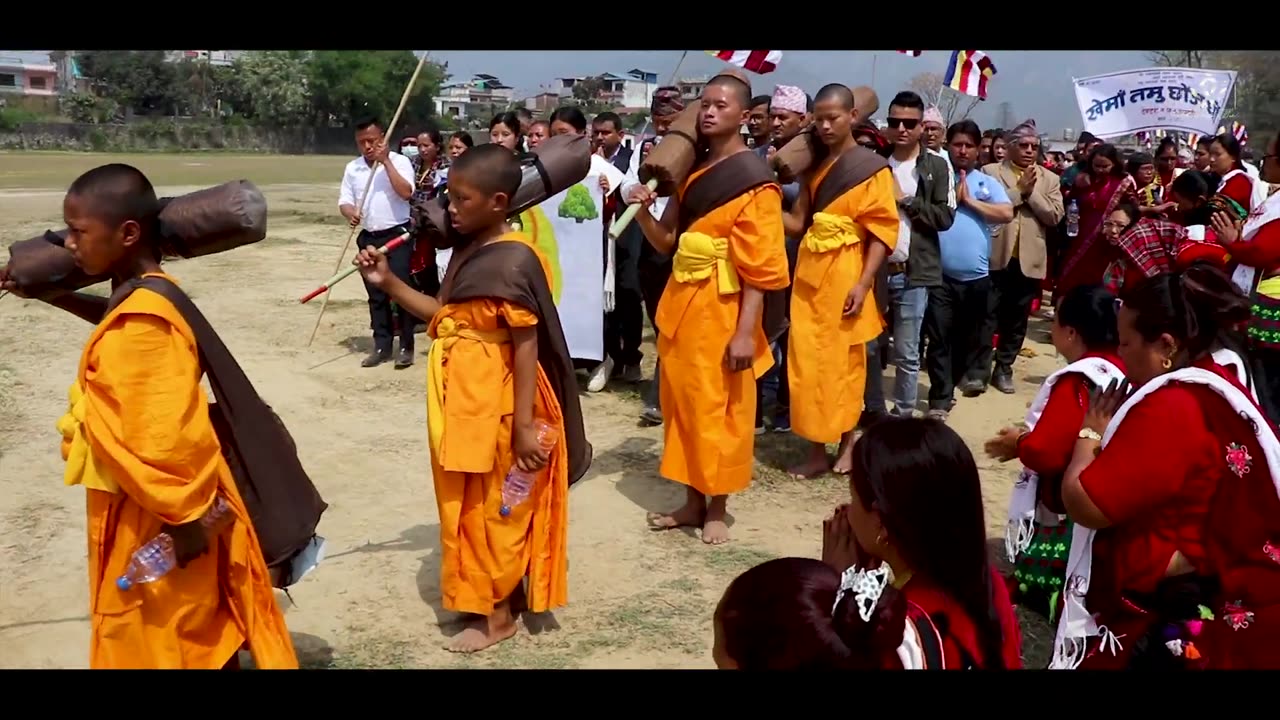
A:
[959,308]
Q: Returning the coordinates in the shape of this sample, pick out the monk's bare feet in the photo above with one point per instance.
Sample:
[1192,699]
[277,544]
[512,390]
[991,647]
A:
[815,463]
[485,633]
[691,514]
[844,461]
[715,531]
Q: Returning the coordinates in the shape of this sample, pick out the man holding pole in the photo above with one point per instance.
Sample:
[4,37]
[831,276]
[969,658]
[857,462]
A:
[653,267]
[384,215]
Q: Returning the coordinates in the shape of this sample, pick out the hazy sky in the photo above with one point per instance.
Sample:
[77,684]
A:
[1037,83]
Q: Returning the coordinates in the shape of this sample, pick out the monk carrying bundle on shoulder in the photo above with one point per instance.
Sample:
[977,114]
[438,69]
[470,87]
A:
[725,232]
[848,215]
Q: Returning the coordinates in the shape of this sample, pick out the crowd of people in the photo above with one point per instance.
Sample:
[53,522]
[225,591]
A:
[1145,521]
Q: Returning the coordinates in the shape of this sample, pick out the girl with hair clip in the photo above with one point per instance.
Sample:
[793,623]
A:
[1038,535]
[802,614]
[916,523]
[1175,557]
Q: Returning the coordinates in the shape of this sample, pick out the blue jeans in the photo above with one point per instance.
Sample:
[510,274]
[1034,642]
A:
[907,305]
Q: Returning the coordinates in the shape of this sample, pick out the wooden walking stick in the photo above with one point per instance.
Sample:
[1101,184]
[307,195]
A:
[404,99]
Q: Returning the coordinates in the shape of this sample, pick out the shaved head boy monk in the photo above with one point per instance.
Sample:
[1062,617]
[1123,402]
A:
[848,216]
[138,437]
[725,232]
[501,396]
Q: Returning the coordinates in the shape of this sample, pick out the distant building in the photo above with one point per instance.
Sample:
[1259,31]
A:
[542,104]
[20,76]
[482,94]
[629,90]
[213,57]
[691,88]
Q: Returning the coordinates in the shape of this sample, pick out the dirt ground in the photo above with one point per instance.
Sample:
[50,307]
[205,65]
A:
[638,599]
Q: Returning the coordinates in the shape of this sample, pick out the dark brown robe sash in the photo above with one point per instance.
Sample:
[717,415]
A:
[724,181]
[511,271]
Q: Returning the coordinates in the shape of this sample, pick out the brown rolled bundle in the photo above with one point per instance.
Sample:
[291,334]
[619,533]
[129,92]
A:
[671,161]
[557,164]
[201,223]
[802,151]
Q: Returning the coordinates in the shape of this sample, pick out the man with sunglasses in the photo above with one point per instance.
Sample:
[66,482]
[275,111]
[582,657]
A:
[926,200]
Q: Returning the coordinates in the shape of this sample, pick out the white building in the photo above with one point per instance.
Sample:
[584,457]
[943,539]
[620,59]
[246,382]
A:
[481,94]
[630,91]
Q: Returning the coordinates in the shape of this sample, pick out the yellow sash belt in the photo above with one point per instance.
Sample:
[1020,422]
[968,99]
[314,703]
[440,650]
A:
[832,232]
[698,256]
[448,332]
[80,470]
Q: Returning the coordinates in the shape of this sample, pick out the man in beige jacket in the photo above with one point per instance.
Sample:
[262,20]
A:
[1019,251]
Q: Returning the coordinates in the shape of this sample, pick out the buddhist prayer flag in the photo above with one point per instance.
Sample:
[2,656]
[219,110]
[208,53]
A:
[969,72]
[1240,133]
[757,61]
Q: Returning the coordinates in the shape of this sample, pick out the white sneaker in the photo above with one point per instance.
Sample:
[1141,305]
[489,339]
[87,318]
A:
[600,375]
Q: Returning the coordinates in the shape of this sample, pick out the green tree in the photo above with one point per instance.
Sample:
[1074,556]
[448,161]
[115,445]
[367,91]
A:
[587,95]
[272,87]
[347,85]
[578,205]
[139,80]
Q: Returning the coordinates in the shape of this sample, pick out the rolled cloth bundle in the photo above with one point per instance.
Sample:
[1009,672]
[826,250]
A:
[671,160]
[557,164]
[201,223]
[802,151]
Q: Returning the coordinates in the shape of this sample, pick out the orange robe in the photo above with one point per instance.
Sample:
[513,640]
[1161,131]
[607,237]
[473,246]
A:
[827,352]
[139,438]
[709,427]
[470,410]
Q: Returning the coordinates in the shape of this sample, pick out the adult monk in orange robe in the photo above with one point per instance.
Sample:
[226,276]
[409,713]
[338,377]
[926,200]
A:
[498,365]
[138,437]
[728,251]
[848,216]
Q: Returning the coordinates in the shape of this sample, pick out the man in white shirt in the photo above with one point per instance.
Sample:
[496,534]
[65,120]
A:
[384,215]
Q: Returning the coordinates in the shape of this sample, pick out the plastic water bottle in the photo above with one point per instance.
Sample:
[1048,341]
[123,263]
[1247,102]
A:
[155,559]
[516,488]
[1073,219]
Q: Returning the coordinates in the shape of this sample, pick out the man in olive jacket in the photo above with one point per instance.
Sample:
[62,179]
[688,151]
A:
[926,200]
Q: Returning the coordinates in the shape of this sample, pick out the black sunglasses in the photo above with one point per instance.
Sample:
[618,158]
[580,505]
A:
[905,123]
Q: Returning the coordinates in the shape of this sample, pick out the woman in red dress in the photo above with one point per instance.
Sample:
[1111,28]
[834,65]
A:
[1089,253]
[1244,190]
[916,522]
[1038,536]
[1175,492]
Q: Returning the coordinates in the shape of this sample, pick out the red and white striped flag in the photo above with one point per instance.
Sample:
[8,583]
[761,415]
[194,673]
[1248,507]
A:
[912,53]
[757,61]
[1192,140]
[969,72]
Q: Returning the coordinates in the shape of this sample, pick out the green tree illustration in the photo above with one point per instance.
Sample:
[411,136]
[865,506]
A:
[577,204]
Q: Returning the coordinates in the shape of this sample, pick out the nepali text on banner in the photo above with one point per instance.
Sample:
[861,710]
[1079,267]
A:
[1123,103]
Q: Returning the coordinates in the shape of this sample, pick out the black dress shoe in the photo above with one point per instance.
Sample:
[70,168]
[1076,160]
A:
[404,359]
[376,358]
[1004,383]
[972,388]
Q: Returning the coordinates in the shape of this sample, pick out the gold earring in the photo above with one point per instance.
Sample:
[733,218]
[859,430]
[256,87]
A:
[1166,363]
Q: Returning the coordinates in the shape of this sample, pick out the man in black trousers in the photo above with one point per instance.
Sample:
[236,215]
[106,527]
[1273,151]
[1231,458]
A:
[384,215]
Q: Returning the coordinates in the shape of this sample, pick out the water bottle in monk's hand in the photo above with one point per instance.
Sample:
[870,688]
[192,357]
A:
[518,484]
[155,559]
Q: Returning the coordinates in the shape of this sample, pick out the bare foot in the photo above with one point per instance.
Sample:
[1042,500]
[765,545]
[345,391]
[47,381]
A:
[484,634]
[715,531]
[844,462]
[690,515]
[815,463]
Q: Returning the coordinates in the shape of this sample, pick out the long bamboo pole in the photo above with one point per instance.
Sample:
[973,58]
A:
[404,100]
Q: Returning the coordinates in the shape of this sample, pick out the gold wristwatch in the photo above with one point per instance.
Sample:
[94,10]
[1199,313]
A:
[1089,434]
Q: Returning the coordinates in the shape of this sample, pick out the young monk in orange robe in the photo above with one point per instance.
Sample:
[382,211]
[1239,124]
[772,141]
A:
[138,438]
[833,310]
[498,362]
[712,345]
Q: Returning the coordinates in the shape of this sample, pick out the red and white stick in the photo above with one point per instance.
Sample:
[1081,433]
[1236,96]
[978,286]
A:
[338,276]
